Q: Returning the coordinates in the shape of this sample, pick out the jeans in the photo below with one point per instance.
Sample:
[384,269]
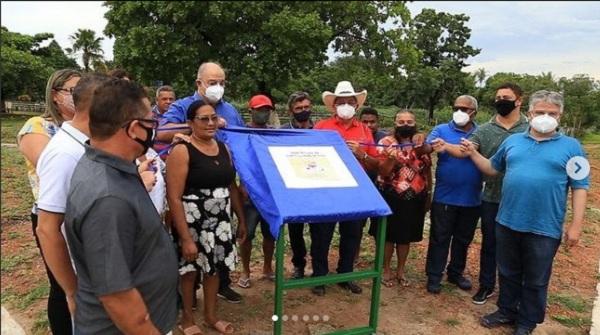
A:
[487,259]
[59,316]
[524,268]
[452,227]
[321,234]
[296,231]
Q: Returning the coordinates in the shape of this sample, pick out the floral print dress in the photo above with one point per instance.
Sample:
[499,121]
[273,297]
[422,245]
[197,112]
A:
[207,204]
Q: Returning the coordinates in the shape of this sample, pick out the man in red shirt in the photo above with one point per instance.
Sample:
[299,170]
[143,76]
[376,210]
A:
[343,103]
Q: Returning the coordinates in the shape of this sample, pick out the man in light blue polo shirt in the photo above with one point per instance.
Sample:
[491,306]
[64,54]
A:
[532,210]
[210,84]
[456,200]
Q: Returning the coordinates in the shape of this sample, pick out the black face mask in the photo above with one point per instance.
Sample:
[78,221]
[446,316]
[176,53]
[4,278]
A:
[260,117]
[405,131]
[302,116]
[149,141]
[504,107]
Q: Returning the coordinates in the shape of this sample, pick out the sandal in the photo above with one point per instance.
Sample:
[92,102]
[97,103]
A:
[388,280]
[223,327]
[244,282]
[403,282]
[193,330]
[270,276]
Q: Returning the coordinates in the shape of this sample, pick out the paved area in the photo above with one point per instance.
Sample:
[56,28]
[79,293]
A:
[9,325]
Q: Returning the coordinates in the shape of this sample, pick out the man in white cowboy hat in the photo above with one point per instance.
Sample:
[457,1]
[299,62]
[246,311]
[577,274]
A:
[343,103]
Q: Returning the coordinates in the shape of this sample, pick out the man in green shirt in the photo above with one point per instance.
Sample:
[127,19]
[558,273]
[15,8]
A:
[487,138]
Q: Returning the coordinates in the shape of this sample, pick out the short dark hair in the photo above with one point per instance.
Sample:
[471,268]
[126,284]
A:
[164,88]
[84,90]
[517,90]
[191,111]
[120,73]
[297,97]
[115,103]
[367,110]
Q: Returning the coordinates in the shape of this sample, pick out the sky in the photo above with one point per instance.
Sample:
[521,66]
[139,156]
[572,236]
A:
[561,37]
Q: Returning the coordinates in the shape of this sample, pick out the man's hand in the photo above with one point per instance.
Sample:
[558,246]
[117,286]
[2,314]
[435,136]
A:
[355,148]
[179,137]
[149,180]
[438,145]
[241,234]
[189,250]
[572,236]
[467,147]
[222,123]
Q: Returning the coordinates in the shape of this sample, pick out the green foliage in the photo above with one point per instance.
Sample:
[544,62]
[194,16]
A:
[574,303]
[262,44]
[26,65]
[85,40]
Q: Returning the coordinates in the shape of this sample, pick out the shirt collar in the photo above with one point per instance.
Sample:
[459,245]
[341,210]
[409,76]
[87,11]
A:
[104,157]
[354,123]
[294,125]
[453,126]
[74,132]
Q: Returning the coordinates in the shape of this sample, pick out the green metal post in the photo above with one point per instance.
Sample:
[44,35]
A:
[376,291]
[279,281]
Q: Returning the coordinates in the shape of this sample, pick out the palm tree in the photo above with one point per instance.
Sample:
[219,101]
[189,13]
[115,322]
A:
[85,40]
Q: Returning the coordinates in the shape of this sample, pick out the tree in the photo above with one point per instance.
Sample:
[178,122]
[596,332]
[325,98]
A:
[85,40]
[261,44]
[26,64]
[582,98]
[441,39]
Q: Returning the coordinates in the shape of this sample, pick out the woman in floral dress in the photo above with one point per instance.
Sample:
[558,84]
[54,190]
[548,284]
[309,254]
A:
[201,190]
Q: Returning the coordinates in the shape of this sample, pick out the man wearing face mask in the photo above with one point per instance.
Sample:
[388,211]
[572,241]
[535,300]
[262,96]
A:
[532,210]
[260,110]
[210,83]
[343,102]
[456,201]
[55,168]
[127,279]
[299,109]
[487,138]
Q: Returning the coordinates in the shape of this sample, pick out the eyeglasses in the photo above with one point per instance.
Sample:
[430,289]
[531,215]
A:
[463,109]
[70,89]
[152,121]
[206,119]
[213,82]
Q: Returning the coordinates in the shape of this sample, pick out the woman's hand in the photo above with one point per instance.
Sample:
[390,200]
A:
[149,180]
[241,233]
[189,250]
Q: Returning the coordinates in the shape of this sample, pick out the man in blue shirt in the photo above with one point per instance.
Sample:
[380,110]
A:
[456,201]
[210,84]
[532,210]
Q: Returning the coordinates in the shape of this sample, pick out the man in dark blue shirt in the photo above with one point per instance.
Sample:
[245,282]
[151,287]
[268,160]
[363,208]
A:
[210,84]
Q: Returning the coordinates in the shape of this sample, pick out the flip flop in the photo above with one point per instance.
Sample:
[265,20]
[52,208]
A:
[388,282]
[193,330]
[270,276]
[223,327]
[403,282]
[244,282]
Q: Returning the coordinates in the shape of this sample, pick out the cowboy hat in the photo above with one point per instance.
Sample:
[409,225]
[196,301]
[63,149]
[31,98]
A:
[343,89]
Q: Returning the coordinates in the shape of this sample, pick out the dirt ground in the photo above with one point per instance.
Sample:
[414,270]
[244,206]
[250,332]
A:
[403,310]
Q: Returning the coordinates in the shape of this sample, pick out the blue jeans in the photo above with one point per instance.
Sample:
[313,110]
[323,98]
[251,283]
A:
[524,268]
[449,225]
[487,259]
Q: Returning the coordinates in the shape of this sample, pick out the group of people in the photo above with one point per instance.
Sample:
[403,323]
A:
[134,203]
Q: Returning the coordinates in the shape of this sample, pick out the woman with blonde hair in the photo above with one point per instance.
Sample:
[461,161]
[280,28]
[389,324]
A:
[32,139]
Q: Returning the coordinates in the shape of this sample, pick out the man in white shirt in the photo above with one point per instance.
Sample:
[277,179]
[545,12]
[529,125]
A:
[55,168]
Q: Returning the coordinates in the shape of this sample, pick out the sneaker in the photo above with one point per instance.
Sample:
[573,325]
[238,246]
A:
[496,319]
[298,273]
[351,286]
[462,282]
[523,331]
[319,290]
[229,295]
[482,295]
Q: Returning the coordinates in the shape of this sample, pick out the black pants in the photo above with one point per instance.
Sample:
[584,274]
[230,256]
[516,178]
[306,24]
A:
[321,234]
[449,225]
[487,261]
[296,231]
[59,316]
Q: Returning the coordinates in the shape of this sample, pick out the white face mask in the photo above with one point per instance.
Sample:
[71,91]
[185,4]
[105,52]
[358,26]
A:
[345,111]
[544,123]
[214,93]
[460,118]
